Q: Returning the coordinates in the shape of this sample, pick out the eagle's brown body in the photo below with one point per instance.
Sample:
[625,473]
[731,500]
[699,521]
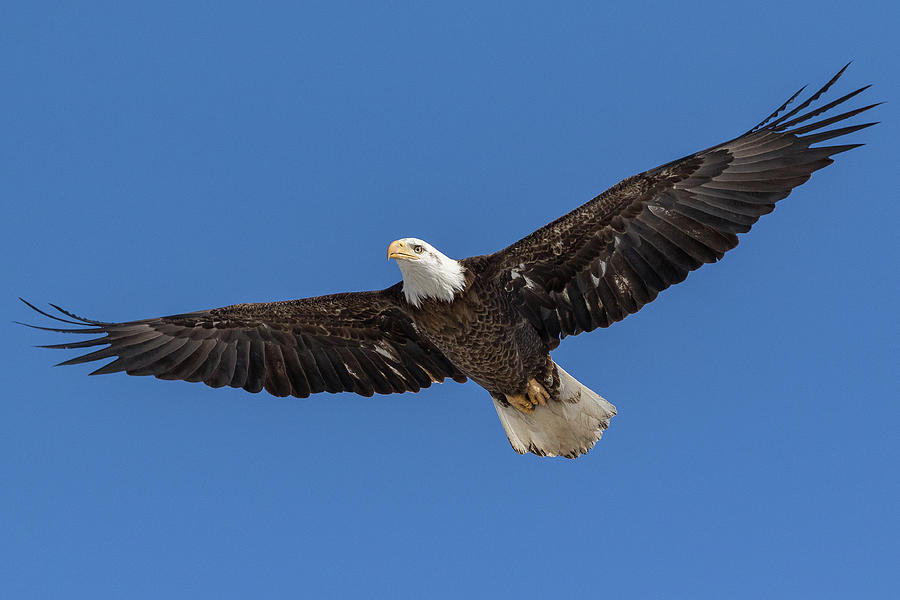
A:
[485,336]
[590,268]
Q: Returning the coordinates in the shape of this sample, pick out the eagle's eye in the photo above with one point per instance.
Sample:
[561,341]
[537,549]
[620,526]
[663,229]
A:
[418,249]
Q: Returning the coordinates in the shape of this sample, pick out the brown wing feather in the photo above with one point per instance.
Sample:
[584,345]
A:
[357,342]
[614,254]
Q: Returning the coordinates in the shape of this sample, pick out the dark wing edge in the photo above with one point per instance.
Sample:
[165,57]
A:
[355,342]
[614,254]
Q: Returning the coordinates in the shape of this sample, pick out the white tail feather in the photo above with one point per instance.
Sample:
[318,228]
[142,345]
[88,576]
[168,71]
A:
[566,427]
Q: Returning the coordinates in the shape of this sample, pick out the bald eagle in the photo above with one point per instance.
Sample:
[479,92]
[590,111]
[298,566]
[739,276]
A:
[495,318]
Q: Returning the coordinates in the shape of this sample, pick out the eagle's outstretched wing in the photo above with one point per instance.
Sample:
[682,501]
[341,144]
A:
[611,256]
[356,342]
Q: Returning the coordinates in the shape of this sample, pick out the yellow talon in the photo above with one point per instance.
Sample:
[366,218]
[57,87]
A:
[537,394]
[520,403]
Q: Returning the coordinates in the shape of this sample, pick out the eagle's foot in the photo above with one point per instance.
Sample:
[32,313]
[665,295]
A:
[520,402]
[535,395]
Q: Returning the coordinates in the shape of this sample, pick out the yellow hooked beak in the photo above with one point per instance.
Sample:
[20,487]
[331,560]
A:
[398,249]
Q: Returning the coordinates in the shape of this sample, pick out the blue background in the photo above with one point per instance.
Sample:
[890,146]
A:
[164,157]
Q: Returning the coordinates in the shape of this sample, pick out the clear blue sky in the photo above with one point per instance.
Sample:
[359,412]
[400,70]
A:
[164,157]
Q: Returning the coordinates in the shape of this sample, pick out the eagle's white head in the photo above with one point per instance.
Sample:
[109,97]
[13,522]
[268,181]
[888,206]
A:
[427,273]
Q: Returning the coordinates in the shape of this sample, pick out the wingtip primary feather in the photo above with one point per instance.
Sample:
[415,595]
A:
[54,317]
[822,109]
[831,120]
[77,317]
[62,330]
[778,110]
[815,138]
[818,94]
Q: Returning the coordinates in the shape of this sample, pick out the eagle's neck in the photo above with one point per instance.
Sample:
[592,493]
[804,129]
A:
[439,279]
